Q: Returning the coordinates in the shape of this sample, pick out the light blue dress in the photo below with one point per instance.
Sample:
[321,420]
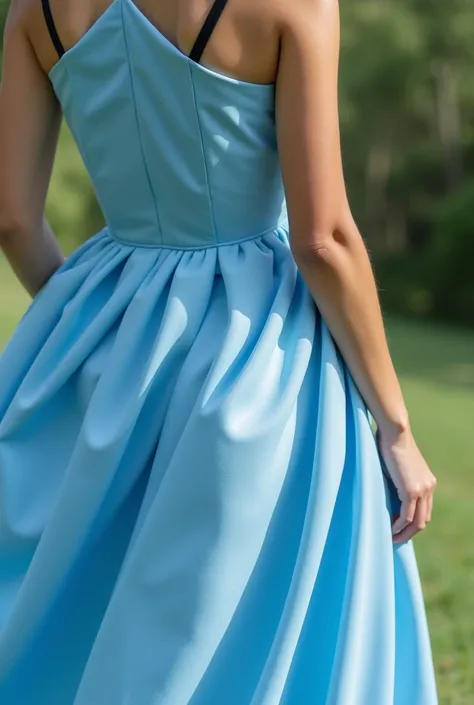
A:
[192,507]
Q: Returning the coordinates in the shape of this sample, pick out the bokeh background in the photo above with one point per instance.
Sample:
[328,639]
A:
[407,114]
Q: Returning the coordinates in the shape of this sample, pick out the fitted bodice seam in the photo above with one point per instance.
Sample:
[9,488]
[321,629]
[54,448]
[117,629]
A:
[139,131]
[203,151]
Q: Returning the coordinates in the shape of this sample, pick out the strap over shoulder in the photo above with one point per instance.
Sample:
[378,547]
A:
[53,33]
[196,53]
[207,29]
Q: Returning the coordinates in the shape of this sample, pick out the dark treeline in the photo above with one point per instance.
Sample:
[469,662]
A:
[407,111]
[407,119]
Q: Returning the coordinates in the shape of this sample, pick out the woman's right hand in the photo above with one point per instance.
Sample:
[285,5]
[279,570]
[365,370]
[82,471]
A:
[414,482]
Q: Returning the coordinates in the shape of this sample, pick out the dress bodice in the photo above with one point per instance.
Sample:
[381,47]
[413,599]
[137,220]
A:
[179,155]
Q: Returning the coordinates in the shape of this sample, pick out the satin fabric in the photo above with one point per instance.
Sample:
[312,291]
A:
[192,507]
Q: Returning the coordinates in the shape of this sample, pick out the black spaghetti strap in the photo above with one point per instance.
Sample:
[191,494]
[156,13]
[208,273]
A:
[53,33]
[207,29]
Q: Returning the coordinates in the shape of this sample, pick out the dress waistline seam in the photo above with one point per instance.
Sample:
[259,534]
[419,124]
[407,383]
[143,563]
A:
[215,245]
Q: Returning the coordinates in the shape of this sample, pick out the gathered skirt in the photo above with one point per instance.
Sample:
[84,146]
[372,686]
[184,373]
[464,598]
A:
[192,506]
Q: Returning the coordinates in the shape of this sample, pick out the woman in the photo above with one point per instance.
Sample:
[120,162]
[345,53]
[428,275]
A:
[193,508]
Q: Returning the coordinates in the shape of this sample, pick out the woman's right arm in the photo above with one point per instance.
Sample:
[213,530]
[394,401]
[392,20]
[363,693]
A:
[329,249]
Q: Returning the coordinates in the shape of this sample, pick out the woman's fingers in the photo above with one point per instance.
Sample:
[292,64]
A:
[407,514]
[430,508]
[419,522]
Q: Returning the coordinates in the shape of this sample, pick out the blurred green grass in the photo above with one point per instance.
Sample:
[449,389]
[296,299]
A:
[436,366]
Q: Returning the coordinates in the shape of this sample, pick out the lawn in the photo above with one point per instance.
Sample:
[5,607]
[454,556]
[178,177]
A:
[436,366]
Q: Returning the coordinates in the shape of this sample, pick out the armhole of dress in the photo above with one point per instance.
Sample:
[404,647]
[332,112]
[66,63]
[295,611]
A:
[207,29]
[53,33]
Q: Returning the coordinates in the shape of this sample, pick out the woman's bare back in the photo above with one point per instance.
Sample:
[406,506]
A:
[245,45]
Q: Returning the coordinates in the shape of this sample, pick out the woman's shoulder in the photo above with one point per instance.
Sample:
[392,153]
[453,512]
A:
[306,13]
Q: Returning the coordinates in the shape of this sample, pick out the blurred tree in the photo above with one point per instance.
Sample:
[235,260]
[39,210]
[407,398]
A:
[449,30]
[381,60]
